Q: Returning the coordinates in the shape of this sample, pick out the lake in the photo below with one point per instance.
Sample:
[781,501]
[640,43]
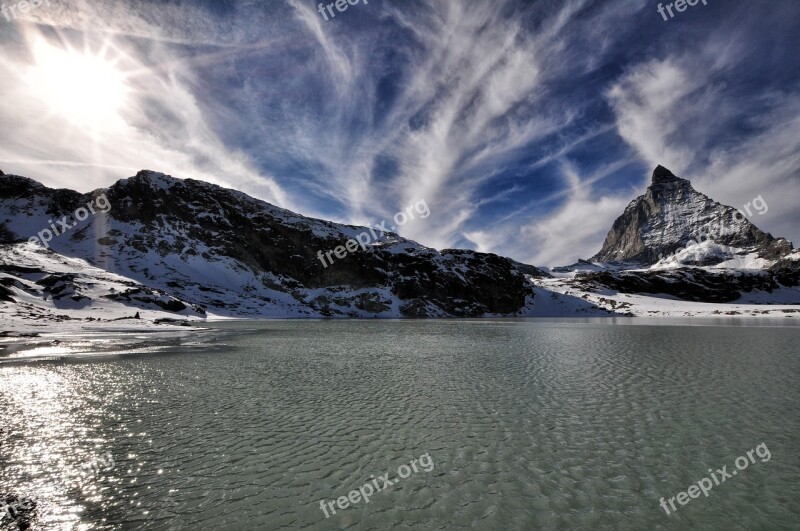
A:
[494,424]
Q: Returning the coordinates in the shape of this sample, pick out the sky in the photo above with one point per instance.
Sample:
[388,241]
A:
[526,126]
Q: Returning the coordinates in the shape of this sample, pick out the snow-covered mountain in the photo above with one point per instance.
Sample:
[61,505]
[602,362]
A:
[673,242]
[157,245]
[238,256]
[674,224]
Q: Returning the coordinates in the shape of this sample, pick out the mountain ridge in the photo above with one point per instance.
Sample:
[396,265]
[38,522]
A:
[242,256]
[197,249]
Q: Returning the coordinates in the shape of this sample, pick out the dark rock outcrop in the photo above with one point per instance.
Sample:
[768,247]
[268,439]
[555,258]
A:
[787,271]
[696,285]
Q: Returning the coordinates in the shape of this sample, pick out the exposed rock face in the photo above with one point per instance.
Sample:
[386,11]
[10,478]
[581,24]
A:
[16,186]
[787,270]
[6,236]
[671,215]
[238,255]
[697,285]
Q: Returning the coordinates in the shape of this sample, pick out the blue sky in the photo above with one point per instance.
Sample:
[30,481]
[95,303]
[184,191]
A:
[526,126]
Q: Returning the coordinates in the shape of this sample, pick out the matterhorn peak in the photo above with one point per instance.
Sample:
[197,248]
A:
[663,176]
[661,173]
[671,215]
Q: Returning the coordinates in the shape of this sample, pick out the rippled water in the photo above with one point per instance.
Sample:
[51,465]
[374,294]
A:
[528,424]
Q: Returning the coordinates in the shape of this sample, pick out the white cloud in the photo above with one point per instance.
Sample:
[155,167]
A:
[767,165]
[581,223]
[670,112]
[651,104]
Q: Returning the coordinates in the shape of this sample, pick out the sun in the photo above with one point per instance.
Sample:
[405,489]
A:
[86,88]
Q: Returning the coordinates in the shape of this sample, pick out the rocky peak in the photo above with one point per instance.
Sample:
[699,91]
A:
[662,176]
[17,186]
[150,175]
[666,187]
[672,215]
[147,179]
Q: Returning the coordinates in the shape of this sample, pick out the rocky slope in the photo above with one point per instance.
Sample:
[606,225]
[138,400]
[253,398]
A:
[239,256]
[40,285]
[694,284]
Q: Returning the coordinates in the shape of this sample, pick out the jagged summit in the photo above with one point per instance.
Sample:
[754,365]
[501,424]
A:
[150,174]
[666,186]
[671,216]
[662,175]
[664,181]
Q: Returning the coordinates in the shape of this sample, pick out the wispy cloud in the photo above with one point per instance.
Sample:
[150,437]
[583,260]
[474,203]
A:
[526,126]
[161,125]
[653,104]
[734,146]
[581,222]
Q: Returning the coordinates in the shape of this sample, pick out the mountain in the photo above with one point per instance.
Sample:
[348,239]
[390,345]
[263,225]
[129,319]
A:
[158,246]
[675,244]
[672,216]
[233,255]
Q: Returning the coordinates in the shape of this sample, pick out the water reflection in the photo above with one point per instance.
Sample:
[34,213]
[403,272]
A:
[57,465]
